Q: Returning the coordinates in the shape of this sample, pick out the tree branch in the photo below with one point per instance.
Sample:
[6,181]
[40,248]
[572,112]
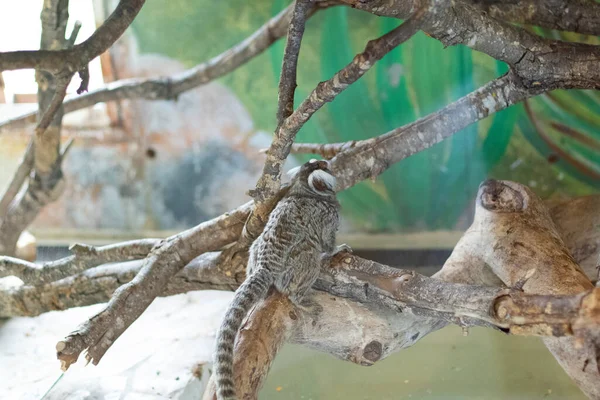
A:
[165,260]
[49,113]
[269,182]
[579,16]
[84,257]
[69,61]
[170,88]
[18,178]
[287,81]
[368,158]
[537,62]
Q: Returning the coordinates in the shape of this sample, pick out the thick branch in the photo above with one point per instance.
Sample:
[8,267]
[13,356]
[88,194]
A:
[69,61]
[46,183]
[538,62]
[579,16]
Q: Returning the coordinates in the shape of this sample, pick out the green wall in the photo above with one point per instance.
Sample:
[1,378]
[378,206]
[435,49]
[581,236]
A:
[553,145]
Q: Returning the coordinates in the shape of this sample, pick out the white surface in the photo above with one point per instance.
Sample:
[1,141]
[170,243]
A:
[153,359]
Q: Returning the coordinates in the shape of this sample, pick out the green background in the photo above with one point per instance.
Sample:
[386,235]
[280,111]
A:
[551,143]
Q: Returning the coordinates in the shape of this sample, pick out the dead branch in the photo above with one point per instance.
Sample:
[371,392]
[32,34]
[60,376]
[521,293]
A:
[48,115]
[566,15]
[170,88]
[165,260]
[84,257]
[426,304]
[56,102]
[575,220]
[69,61]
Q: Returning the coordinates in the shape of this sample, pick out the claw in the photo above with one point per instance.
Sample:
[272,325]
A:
[343,248]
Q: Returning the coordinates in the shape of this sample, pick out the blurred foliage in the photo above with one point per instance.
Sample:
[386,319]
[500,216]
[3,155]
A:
[551,143]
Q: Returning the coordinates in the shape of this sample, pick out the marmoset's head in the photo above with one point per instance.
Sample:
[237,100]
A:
[312,178]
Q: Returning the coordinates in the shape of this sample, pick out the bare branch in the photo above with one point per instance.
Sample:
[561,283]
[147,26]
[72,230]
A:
[68,61]
[537,62]
[170,88]
[287,82]
[74,34]
[579,16]
[84,257]
[97,285]
[166,259]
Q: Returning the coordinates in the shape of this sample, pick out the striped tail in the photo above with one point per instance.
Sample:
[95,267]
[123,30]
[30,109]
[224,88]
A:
[254,288]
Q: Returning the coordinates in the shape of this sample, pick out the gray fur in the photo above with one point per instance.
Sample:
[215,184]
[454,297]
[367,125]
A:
[300,233]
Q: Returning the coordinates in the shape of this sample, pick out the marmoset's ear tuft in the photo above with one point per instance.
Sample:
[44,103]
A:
[321,181]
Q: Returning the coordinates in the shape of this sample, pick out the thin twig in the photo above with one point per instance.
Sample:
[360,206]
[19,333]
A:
[74,33]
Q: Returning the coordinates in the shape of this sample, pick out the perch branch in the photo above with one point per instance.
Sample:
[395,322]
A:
[69,61]
[170,88]
[84,257]
[577,221]
[269,323]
